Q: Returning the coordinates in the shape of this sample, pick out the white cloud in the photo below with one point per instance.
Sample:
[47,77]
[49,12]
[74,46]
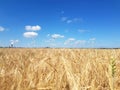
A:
[30,34]
[72,42]
[69,21]
[33,28]
[66,20]
[77,20]
[92,41]
[2,28]
[69,41]
[55,36]
[80,42]
[49,40]
[48,35]
[16,41]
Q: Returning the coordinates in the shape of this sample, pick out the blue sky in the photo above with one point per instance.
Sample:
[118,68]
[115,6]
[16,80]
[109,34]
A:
[60,23]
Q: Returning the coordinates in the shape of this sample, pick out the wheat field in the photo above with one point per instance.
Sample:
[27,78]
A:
[59,69]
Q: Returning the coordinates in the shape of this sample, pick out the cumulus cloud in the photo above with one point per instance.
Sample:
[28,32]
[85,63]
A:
[55,36]
[2,28]
[30,34]
[33,28]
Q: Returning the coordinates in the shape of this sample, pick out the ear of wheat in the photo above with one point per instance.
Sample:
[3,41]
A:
[112,71]
[113,66]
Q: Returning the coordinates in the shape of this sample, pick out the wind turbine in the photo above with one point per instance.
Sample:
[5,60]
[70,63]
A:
[12,43]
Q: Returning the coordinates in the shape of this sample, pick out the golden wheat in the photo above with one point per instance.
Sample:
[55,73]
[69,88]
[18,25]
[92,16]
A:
[59,69]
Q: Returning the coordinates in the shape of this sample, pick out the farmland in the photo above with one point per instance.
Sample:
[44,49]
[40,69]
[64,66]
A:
[59,69]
